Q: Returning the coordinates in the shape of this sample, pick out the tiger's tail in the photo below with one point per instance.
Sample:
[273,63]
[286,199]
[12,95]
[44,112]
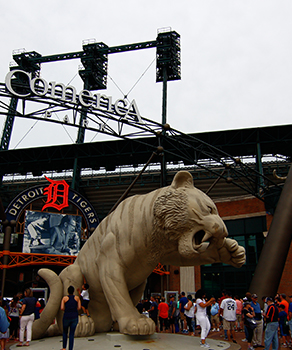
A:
[52,307]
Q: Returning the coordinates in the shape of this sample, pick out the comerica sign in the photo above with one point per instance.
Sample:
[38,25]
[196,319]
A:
[58,91]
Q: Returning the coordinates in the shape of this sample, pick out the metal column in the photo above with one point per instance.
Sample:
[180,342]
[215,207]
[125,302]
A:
[273,257]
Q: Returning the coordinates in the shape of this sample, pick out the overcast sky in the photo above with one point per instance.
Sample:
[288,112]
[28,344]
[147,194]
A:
[236,58]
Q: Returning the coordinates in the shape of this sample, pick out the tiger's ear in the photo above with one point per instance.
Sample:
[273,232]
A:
[182,179]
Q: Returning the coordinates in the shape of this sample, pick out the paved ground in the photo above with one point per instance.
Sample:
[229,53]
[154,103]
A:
[116,341]
[159,341]
[238,337]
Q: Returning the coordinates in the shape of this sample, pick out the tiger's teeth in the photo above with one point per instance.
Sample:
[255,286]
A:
[196,247]
[203,247]
[207,236]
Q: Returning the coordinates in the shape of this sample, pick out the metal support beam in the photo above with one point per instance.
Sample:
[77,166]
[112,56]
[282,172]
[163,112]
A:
[133,183]
[259,165]
[6,251]
[164,111]
[81,54]
[272,260]
[80,139]
[215,182]
[7,130]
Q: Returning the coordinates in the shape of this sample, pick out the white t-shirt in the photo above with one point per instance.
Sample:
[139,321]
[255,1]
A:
[201,311]
[190,313]
[229,309]
[85,294]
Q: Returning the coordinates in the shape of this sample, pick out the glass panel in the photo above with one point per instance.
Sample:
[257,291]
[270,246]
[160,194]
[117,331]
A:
[249,234]
[212,283]
[251,251]
[254,225]
[235,227]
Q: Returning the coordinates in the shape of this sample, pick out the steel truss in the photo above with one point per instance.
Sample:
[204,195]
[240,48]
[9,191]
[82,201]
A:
[176,145]
[27,259]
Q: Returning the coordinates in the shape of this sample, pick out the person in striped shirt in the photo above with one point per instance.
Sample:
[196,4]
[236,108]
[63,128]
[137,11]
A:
[271,317]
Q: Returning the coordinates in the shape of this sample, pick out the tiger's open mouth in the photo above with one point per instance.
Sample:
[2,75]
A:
[201,237]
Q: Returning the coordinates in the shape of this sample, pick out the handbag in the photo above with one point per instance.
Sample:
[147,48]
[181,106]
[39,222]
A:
[251,322]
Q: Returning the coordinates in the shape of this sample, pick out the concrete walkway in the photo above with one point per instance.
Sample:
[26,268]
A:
[117,341]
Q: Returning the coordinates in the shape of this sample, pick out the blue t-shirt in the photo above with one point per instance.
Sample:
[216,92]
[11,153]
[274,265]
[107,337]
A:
[282,317]
[257,310]
[214,309]
[290,307]
[30,305]
[153,313]
[183,302]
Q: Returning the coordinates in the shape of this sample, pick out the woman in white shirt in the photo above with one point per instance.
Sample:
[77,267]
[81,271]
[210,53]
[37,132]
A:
[190,308]
[202,317]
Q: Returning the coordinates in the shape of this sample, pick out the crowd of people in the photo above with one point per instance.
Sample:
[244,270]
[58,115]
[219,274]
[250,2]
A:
[192,314]
[19,312]
[17,315]
[198,315]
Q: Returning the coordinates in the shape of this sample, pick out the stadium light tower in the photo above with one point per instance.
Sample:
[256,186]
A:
[168,67]
[94,58]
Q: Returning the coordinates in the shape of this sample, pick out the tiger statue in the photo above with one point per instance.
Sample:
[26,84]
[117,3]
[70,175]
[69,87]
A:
[175,225]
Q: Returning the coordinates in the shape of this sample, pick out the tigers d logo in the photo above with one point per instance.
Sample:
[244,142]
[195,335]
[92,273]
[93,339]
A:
[57,194]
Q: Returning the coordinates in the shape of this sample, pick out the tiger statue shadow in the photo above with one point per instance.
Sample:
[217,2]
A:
[175,225]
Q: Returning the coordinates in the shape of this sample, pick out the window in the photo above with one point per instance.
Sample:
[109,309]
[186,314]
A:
[249,234]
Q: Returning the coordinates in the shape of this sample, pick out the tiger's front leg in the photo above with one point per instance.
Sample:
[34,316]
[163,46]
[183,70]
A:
[112,278]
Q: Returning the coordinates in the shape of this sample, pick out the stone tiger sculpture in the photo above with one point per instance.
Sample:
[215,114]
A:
[175,225]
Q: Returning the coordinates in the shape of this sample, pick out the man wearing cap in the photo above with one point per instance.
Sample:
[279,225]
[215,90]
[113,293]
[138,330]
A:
[258,331]
[271,334]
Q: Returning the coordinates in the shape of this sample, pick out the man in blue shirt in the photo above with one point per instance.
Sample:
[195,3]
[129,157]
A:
[258,331]
[182,302]
[215,316]
[153,311]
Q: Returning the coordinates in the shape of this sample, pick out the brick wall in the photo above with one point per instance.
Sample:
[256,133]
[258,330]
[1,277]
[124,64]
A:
[240,207]
[174,280]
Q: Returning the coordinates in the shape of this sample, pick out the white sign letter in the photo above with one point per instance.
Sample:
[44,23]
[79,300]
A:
[63,91]
[118,109]
[133,110]
[36,88]
[87,95]
[8,82]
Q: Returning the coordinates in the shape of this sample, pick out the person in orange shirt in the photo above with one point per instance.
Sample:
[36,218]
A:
[163,315]
[284,302]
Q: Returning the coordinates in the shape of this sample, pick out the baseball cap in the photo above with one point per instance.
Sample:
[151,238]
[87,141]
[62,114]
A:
[254,296]
[269,299]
